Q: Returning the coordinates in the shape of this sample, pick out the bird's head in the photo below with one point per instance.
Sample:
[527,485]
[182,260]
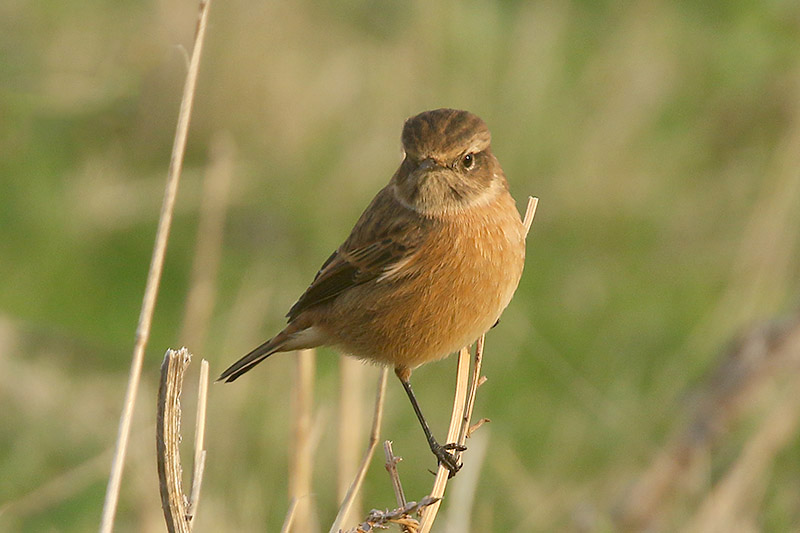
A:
[448,163]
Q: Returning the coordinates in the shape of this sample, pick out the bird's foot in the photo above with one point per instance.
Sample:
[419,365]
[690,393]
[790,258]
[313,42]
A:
[448,459]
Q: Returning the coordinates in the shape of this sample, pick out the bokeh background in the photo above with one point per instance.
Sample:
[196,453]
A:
[663,139]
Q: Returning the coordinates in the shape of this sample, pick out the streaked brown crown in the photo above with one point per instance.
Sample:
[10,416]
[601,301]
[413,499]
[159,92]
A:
[444,134]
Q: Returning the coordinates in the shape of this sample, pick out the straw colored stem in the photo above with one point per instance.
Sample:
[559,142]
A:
[199,440]
[391,467]
[153,277]
[442,474]
[168,438]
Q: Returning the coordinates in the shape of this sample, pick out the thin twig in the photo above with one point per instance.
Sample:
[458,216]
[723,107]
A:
[168,438]
[474,427]
[153,277]
[199,440]
[394,476]
[469,406]
[391,467]
[374,434]
[401,516]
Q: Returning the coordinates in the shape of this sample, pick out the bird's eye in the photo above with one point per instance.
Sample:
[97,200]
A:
[468,161]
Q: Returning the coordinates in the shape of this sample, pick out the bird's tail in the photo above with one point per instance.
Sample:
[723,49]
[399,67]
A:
[243,365]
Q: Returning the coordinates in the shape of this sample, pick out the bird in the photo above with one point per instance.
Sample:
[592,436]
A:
[429,266]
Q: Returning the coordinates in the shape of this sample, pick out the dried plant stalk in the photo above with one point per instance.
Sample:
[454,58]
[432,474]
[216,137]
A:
[178,509]
[474,382]
[199,439]
[391,467]
[442,474]
[154,276]
[380,520]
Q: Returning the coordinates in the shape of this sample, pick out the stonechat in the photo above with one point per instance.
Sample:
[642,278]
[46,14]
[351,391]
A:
[430,265]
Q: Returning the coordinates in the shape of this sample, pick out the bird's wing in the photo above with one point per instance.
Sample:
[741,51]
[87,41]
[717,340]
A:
[373,247]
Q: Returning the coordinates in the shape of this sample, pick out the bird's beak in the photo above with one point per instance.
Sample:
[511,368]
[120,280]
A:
[426,164]
[426,169]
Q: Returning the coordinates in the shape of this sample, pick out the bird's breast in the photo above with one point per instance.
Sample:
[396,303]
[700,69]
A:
[442,297]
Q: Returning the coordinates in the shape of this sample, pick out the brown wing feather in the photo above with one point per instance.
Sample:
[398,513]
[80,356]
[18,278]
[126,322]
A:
[372,247]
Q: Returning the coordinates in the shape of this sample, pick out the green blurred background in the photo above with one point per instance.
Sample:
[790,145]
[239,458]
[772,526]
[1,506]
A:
[663,139]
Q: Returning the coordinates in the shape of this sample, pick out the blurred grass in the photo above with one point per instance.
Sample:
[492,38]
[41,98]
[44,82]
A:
[662,138]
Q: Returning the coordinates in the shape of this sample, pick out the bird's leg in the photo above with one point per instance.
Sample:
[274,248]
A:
[442,453]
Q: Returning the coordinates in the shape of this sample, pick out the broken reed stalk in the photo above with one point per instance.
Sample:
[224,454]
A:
[179,511]
[374,434]
[464,401]
[153,276]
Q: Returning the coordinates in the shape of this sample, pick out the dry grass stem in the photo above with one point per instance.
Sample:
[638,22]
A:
[474,381]
[442,474]
[301,446]
[153,277]
[179,511]
[374,434]
[168,438]
[530,212]
[199,439]
[391,467]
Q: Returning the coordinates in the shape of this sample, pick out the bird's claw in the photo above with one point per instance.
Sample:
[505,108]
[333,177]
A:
[447,459]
